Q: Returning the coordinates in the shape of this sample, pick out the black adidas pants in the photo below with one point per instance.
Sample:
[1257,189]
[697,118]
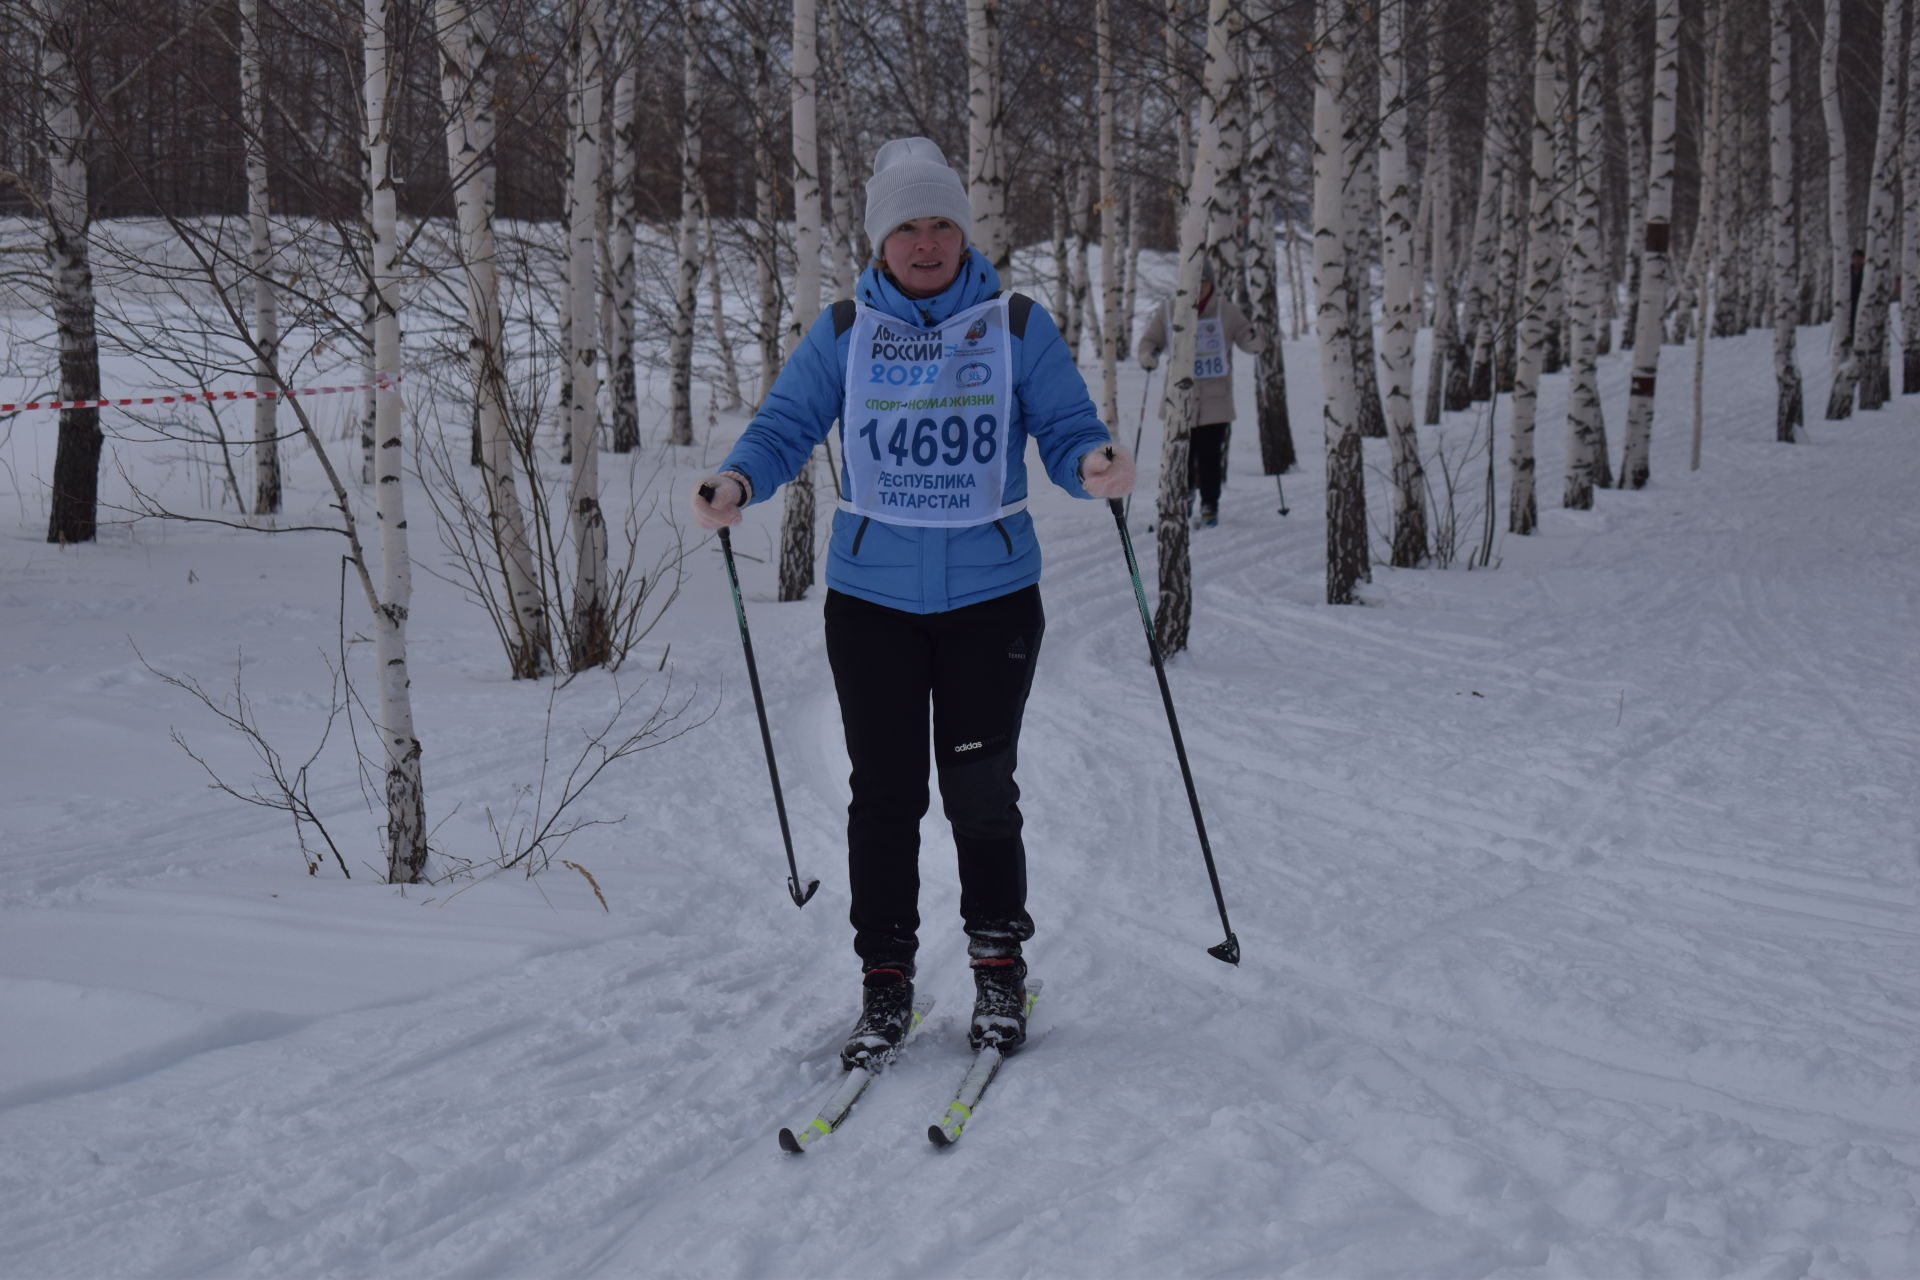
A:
[974,666]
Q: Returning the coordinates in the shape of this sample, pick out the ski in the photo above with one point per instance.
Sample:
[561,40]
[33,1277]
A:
[986,1063]
[852,1084]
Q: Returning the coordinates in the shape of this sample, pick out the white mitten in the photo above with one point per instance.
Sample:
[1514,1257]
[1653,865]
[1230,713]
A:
[1107,472]
[717,500]
[1149,360]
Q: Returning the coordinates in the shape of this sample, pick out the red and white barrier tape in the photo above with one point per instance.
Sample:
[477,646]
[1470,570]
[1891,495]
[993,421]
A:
[203,397]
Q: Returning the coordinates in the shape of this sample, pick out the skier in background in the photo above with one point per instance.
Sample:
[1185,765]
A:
[933,570]
[1222,326]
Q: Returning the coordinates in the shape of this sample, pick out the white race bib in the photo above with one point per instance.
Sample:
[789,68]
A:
[924,429]
[1209,349]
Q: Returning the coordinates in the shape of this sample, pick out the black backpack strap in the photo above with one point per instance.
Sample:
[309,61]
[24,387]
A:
[842,316]
[1019,307]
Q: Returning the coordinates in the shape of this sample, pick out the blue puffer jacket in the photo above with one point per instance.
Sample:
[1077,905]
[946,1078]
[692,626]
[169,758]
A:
[914,568]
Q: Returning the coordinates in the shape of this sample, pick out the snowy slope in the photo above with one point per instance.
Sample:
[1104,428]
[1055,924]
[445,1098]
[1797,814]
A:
[1577,901]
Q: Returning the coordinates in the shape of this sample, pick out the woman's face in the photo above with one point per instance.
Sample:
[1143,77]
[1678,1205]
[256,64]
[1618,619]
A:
[923,255]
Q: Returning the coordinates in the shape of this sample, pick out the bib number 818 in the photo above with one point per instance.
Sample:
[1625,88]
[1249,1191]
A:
[929,440]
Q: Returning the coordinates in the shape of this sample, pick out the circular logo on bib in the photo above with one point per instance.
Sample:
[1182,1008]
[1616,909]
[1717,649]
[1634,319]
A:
[973,375]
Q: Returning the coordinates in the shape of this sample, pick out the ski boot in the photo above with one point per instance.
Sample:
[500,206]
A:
[999,1003]
[1209,517]
[886,1011]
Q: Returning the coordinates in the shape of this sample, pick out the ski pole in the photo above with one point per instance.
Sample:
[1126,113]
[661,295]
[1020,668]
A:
[798,894]
[1229,950]
[1138,428]
[1281,485]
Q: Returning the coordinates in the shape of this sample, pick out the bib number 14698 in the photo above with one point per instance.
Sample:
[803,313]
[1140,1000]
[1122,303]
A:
[948,441]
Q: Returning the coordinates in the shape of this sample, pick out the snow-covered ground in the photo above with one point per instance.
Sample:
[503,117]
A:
[1577,900]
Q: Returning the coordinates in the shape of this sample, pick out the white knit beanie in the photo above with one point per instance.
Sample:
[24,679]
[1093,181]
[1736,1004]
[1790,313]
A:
[911,179]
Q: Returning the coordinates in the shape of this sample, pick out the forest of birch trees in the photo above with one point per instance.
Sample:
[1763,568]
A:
[529,208]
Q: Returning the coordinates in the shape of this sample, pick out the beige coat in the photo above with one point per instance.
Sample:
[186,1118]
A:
[1216,394]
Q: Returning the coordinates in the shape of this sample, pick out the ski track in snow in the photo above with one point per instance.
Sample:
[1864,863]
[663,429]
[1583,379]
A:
[1576,898]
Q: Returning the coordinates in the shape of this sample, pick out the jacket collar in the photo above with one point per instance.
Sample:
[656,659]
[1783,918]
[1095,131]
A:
[976,283]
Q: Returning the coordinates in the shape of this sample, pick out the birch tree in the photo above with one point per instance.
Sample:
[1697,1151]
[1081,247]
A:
[1706,251]
[617,292]
[766,209]
[796,525]
[1474,381]
[1635,97]
[1347,563]
[589,631]
[1876,288]
[729,387]
[1265,203]
[1655,264]
[467,85]
[687,243]
[986,182]
[1839,221]
[1563,139]
[1586,427]
[1789,411]
[1447,372]
[843,160]
[405,793]
[1113,330]
[1401,316]
[1530,355]
[266,315]
[1361,251]
[68,210]
[1173,614]
[1910,213]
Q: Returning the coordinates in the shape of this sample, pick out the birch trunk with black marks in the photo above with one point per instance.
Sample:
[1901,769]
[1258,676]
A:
[1559,340]
[1447,372]
[1876,286]
[1362,204]
[467,77]
[797,519]
[1530,356]
[1113,329]
[1655,258]
[1475,381]
[687,242]
[617,327]
[766,216]
[589,631]
[76,461]
[845,253]
[1265,203]
[1910,214]
[1083,322]
[405,792]
[1839,221]
[1635,98]
[1789,407]
[1173,613]
[986,181]
[266,314]
[729,387]
[1347,562]
[1400,312]
[1587,467]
